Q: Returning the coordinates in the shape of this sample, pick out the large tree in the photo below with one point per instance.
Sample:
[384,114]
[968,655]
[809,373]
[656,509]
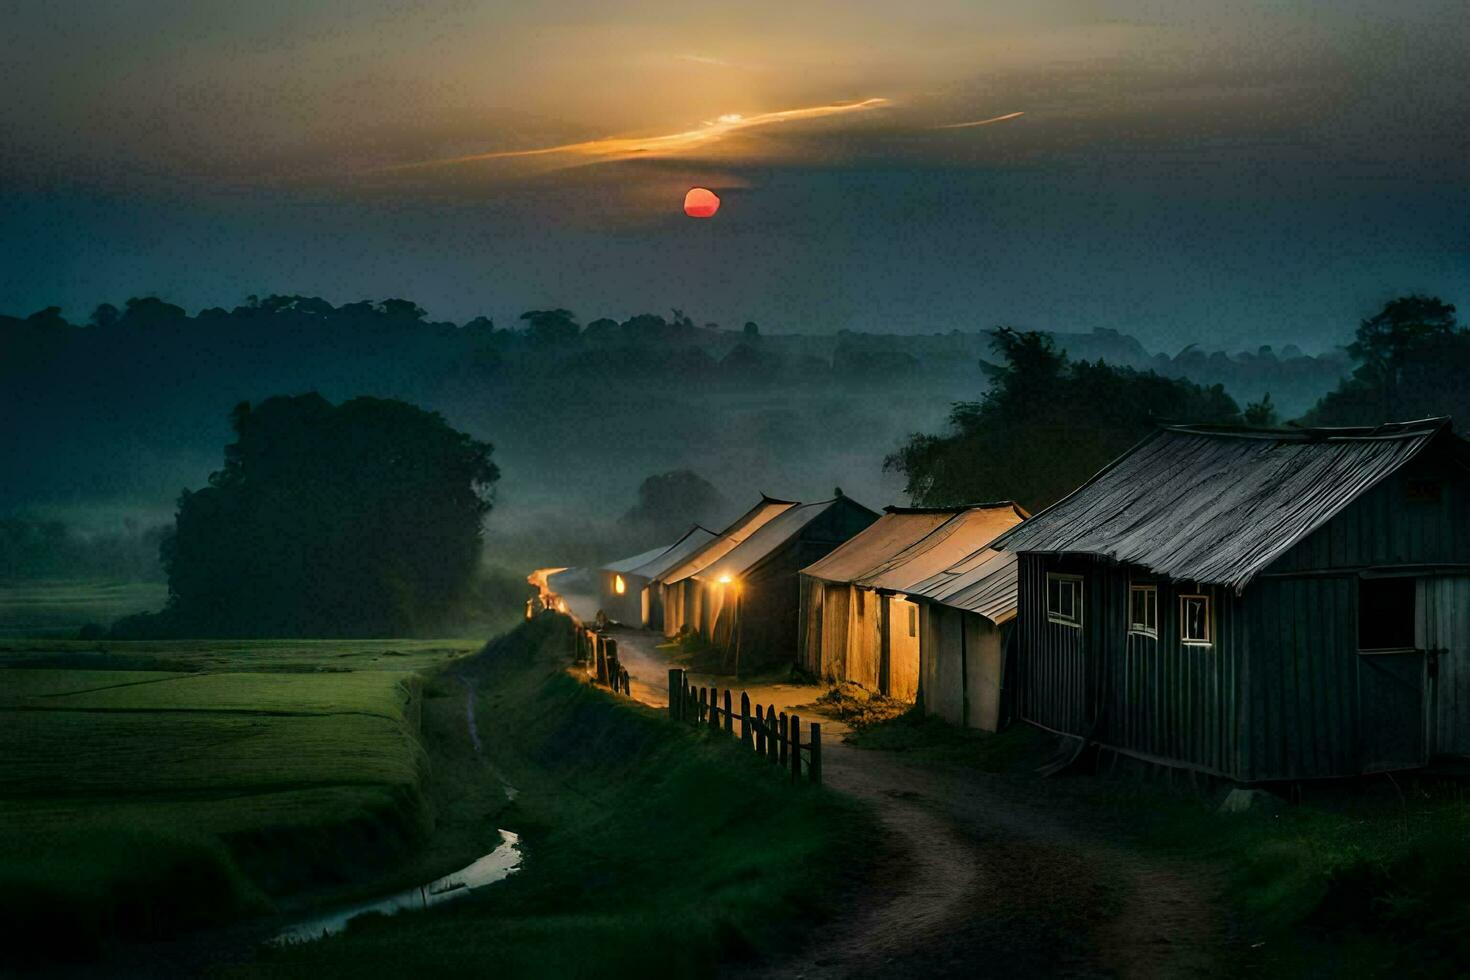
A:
[1412,361]
[359,519]
[1045,426]
[669,502]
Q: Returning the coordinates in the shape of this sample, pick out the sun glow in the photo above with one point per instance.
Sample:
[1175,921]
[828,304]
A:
[623,147]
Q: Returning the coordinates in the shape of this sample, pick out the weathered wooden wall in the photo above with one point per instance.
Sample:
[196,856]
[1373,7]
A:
[1389,525]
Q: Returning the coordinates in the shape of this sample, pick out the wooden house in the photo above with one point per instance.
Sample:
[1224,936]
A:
[748,599]
[1259,605]
[623,586]
[676,590]
[841,634]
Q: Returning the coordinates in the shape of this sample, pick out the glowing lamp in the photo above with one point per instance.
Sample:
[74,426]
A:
[725,580]
[619,586]
[701,202]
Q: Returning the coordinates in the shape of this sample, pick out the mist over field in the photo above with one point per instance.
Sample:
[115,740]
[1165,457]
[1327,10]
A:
[112,419]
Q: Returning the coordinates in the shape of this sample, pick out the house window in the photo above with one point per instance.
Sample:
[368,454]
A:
[1143,610]
[1064,599]
[913,620]
[619,586]
[1386,614]
[1195,620]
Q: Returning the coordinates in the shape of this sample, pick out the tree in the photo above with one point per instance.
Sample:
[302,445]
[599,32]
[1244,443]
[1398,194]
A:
[1046,425]
[1412,359]
[551,328]
[104,316]
[148,311]
[1387,341]
[359,519]
[1261,414]
[669,502]
[402,309]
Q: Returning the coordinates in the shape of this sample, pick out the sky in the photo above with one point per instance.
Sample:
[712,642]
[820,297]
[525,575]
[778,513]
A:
[1225,173]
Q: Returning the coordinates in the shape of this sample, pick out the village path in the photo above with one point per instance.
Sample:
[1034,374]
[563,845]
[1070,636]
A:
[980,874]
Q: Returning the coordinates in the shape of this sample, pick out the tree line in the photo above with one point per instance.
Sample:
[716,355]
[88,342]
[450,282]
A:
[1048,423]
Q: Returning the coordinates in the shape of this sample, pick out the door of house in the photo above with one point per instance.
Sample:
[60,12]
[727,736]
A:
[1393,679]
[1444,634]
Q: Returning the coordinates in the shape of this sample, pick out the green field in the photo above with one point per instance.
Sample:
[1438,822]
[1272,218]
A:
[651,849]
[134,774]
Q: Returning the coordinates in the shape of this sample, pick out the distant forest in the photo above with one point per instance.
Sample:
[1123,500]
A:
[109,418]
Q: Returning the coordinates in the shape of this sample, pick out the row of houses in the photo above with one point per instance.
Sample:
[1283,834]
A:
[1254,604]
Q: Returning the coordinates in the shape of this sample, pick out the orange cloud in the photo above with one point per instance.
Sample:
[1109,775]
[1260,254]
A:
[983,122]
[623,147]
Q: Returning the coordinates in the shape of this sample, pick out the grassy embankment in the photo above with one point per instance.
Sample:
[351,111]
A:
[652,849]
[149,788]
[1361,878]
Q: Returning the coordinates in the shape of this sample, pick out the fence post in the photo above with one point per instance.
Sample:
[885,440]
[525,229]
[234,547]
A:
[814,770]
[760,730]
[601,660]
[714,709]
[614,666]
[774,741]
[746,735]
[675,683]
[699,715]
[784,733]
[794,727]
[729,714]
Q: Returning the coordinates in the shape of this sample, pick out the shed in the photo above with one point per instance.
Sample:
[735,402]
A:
[674,587]
[614,598]
[748,606]
[1257,604]
[644,577]
[932,648]
[840,635]
[968,610]
[622,585]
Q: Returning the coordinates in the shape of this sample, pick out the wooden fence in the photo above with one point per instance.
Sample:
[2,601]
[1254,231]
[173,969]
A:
[599,655]
[770,734]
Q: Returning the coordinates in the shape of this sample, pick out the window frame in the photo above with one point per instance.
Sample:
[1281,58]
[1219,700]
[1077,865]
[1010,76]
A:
[1143,629]
[1076,582]
[1209,602]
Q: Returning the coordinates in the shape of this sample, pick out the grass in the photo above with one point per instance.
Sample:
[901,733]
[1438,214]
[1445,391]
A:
[652,849]
[1358,881]
[139,803]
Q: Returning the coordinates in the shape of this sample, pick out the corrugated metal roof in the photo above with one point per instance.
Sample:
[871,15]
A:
[727,540]
[1217,505]
[984,582]
[765,540]
[694,539]
[954,541]
[896,530]
[628,564]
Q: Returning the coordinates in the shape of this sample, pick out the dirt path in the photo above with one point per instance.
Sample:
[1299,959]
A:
[984,874]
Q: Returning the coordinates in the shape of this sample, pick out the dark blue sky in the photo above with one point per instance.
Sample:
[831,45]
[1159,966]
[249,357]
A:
[1265,173]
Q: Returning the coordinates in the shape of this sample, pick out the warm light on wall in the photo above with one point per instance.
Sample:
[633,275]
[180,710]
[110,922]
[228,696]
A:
[725,580]
[619,586]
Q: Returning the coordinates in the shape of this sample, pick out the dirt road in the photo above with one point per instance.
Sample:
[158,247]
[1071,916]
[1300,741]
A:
[983,874]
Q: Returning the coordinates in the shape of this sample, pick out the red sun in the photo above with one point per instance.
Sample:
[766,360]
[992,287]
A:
[701,203]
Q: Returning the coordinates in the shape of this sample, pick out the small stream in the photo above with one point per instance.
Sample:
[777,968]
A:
[498,865]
